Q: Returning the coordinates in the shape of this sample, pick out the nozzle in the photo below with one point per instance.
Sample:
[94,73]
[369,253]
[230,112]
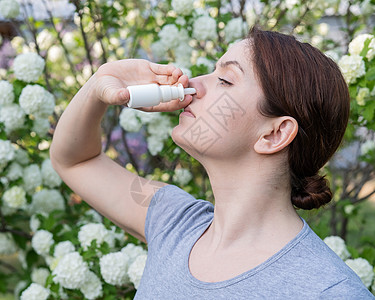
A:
[189,91]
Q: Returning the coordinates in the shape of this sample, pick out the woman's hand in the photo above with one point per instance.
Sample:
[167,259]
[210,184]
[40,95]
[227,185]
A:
[113,78]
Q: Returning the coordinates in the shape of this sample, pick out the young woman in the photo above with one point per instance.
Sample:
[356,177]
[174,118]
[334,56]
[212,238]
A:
[262,124]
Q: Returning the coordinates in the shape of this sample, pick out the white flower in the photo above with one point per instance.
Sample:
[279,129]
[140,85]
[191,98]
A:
[352,67]
[333,55]
[41,127]
[133,251]
[49,175]
[160,126]
[183,7]
[357,44]
[7,151]
[95,231]
[71,271]
[114,268]
[35,292]
[182,176]
[136,269]
[6,92]
[35,100]
[169,36]
[367,146]
[12,116]
[361,95]
[39,276]
[45,39]
[337,244]
[289,4]
[363,269]
[90,216]
[15,171]
[204,28]
[55,53]
[28,67]
[42,242]
[7,244]
[206,62]
[158,49]
[34,222]
[32,178]
[349,209]
[155,144]
[235,29]
[323,29]
[63,248]
[129,121]
[69,41]
[15,197]
[9,9]
[21,157]
[45,201]
[92,287]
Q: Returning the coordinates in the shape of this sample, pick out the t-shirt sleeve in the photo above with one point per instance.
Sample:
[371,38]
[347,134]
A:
[171,205]
[347,290]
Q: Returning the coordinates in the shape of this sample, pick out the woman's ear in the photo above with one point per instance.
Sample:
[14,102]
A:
[277,136]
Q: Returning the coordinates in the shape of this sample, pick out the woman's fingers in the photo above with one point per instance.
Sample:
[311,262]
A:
[159,69]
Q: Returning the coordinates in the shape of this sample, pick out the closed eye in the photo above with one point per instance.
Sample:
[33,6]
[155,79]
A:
[224,82]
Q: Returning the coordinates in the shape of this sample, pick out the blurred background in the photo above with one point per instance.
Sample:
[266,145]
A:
[49,49]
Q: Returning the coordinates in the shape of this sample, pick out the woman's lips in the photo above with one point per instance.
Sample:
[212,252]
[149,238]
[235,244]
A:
[188,112]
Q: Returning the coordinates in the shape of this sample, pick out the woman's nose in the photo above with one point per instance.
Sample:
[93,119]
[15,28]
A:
[198,84]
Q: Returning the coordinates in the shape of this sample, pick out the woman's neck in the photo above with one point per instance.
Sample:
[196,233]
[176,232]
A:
[252,205]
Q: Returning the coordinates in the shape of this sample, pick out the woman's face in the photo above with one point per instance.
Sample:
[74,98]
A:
[226,122]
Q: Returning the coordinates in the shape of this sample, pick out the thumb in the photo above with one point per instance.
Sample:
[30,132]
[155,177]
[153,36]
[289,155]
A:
[120,96]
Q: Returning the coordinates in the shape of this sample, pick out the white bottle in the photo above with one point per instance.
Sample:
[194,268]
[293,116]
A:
[146,95]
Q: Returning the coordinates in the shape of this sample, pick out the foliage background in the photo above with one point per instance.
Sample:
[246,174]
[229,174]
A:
[94,32]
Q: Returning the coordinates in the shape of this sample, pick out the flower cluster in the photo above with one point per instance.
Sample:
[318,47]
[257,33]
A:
[37,101]
[9,9]
[182,176]
[28,67]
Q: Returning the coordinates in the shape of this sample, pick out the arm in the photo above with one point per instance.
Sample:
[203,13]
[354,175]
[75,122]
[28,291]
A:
[76,152]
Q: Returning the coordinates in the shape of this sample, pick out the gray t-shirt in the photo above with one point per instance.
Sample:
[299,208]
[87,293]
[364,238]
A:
[304,269]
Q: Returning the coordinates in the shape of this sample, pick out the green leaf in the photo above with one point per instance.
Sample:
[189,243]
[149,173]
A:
[370,74]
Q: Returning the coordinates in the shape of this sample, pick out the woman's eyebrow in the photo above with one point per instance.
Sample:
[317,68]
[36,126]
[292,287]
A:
[230,62]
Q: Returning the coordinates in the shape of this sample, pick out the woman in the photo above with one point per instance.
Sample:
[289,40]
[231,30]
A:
[262,124]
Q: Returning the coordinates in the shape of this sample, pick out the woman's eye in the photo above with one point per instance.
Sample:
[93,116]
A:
[224,82]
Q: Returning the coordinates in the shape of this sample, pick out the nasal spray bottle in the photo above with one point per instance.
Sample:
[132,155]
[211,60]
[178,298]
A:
[146,95]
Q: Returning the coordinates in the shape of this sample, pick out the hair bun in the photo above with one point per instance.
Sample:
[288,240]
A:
[310,192]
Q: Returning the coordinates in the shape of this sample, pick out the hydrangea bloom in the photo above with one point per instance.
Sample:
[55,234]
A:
[32,178]
[41,127]
[39,276]
[42,242]
[158,48]
[129,121]
[15,171]
[9,9]
[357,44]
[95,231]
[363,269]
[28,67]
[35,292]
[45,201]
[337,244]
[352,67]
[7,151]
[6,92]
[183,54]
[49,175]
[114,268]
[133,251]
[234,30]
[204,28]
[12,116]
[155,144]
[169,36]
[35,100]
[136,269]
[183,7]
[361,95]
[182,176]
[15,197]
[71,271]
[7,244]
[367,146]
[160,126]
[92,287]
[34,223]
[63,248]
[21,157]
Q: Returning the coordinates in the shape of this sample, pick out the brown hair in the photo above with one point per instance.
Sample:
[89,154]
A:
[300,81]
